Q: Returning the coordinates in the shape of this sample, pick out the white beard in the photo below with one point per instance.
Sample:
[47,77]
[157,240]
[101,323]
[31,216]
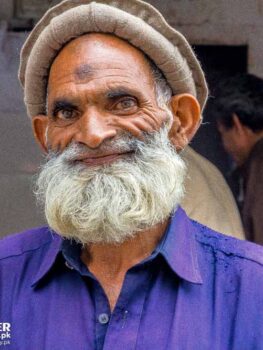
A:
[111,203]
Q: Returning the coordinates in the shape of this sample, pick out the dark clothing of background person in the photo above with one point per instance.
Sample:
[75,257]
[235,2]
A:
[252,210]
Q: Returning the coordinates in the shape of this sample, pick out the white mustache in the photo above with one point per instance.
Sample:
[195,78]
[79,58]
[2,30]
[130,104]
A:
[123,144]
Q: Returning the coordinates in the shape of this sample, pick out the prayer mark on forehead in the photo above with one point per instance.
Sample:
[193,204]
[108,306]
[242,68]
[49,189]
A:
[84,71]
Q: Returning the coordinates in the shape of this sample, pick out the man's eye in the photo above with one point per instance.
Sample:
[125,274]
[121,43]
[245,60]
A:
[126,104]
[66,114]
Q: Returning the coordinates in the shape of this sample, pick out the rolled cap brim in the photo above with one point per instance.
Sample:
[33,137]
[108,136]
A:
[132,20]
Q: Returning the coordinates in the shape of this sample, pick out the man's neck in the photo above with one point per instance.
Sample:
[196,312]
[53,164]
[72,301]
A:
[109,262]
[257,138]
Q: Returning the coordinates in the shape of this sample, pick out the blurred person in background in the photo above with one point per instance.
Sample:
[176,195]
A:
[240,123]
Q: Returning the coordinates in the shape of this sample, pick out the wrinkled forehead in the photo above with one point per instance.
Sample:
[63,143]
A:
[93,55]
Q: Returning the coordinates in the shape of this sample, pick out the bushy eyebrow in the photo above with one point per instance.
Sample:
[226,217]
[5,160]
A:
[119,92]
[61,104]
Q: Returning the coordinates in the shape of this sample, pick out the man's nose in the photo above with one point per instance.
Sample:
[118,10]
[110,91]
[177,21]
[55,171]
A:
[93,129]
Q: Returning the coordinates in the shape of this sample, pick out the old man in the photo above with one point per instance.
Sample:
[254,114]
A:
[114,94]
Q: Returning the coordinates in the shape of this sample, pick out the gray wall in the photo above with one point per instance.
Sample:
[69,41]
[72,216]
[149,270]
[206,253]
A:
[19,156]
[219,22]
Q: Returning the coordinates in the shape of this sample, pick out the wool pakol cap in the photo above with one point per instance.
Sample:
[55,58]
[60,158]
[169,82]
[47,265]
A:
[132,20]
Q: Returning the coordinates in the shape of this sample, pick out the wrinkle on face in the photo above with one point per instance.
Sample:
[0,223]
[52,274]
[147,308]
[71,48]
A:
[87,76]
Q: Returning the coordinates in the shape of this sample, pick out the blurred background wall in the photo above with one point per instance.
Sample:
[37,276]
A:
[227,36]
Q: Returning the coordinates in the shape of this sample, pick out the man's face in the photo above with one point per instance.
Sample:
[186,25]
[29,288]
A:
[229,139]
[234,143]
[99,87]
[113,171]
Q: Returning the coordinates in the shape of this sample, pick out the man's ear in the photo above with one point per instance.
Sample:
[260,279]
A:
[39,126]
[239,127]
[186,119]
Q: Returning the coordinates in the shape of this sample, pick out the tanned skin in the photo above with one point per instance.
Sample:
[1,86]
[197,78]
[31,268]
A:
[239,140]
[99,87]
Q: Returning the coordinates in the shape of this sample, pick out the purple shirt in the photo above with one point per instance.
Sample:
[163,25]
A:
[198,290]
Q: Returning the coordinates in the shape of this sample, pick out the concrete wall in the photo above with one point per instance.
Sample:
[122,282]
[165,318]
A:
[19,155]
[221,22]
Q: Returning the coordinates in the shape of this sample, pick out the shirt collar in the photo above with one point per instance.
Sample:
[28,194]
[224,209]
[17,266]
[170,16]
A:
[178,247]
[49,258]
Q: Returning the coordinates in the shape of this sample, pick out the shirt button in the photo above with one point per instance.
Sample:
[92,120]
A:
[103,318]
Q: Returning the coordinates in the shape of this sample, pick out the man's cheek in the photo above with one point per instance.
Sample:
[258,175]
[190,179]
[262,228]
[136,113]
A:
[58,138]
[156,116]
[147,120]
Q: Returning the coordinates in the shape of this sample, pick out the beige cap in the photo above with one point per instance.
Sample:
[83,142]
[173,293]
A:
[132,20]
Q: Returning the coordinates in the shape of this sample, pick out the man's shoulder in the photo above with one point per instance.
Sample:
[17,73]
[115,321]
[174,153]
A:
[229,249]
[19,243]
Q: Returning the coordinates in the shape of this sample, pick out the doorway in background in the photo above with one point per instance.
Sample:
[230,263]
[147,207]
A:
[218,62]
